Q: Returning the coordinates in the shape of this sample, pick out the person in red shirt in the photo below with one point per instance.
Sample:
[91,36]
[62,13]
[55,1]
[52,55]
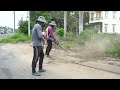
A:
[50,37]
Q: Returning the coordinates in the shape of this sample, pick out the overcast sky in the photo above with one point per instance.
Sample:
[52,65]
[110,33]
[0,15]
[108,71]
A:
[7,18]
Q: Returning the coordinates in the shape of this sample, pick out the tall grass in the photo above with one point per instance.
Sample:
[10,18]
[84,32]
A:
[16,38]
[85,36]
[110,42]
[114,48]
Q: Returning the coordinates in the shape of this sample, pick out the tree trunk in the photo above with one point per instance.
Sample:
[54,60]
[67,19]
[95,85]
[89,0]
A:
[80,21]
[65,23]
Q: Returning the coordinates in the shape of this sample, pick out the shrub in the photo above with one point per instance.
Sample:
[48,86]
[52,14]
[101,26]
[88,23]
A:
[16,38]
[60,32]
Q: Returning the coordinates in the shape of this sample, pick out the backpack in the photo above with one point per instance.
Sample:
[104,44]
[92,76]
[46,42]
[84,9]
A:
[45,33]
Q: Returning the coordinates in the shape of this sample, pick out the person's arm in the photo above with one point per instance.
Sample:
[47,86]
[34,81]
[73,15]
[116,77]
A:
[39,32]
[54,36]
[43,43]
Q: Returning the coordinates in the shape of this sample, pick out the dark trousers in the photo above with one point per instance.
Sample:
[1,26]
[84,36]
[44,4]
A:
[49,47]
[38,55]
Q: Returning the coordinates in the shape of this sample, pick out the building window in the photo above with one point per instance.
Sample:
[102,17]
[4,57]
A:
[98,15]
[106,14]
[106,27]
[114,26]
[114,14]
[92,16]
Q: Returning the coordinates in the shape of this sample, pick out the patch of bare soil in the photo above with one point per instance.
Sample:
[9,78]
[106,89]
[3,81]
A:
[91,52]
[72,69]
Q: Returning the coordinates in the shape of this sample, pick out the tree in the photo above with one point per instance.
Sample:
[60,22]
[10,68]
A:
[23,27]
[56,16]
[85,19]
[72,20]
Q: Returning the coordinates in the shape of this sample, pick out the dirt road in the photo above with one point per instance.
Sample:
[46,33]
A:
[15,63]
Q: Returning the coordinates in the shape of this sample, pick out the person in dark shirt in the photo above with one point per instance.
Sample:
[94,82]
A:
[37,40]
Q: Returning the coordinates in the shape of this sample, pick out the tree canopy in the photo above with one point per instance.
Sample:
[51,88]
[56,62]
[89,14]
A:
[58,17]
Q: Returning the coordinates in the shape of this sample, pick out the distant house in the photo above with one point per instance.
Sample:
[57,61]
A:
[5,30]
[9,30]
[105,21]
[2,30]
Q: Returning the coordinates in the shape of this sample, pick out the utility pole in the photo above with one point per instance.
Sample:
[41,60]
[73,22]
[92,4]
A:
[76,27]
[80,21]
[65,23]
[14,23]
[29,23]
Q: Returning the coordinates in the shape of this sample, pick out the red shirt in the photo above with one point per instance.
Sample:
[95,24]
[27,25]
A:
[51,33]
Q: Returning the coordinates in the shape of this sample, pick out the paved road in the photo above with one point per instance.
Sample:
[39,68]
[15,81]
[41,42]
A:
[4,35]
[12,66]
[5,59]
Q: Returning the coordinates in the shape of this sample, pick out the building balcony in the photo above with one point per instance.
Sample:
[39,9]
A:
[99,18]
[96,19]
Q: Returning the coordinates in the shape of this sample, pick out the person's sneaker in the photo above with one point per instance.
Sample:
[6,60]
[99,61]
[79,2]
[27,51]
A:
[49,56]
[36,74]
[42,70]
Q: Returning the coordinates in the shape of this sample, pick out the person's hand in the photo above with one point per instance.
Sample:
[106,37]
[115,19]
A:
[43,38]
[52,39]
[43,46]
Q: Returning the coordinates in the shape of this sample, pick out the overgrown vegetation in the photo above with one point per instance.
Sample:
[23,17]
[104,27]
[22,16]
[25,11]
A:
[60,32]
[114,48]
[86,35]
[16,38]
[110,42]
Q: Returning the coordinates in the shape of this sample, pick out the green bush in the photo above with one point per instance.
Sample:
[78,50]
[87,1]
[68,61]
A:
[16,38]
[114,48]
[86,35]
[23,27]
[66,43]
[60,32]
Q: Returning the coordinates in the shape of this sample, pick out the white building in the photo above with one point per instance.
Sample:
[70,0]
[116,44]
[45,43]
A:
[9,30]
[5,30]
[105,21]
